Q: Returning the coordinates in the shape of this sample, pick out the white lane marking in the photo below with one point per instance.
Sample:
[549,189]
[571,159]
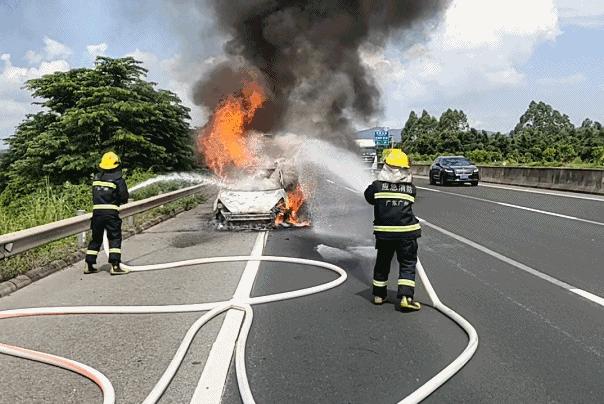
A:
[213,378]
[449,371]
[215,308]
[594,298]
[590,296]
[244,304]
[509,205]
[533,190]
[346,188]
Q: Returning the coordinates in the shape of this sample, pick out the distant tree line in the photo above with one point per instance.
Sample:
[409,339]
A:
[543,136]
[86,112]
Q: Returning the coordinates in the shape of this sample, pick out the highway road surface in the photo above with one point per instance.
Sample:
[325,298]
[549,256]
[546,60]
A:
[525,267]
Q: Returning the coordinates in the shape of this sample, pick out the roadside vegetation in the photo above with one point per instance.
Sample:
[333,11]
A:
[45,175]
[543,137]
[55,204]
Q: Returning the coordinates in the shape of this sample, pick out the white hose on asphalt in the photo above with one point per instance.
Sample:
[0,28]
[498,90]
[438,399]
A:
[441,377]
[215,308]
[94,375]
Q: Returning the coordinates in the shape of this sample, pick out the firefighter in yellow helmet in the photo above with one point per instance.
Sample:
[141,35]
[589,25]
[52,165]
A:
[109,191]
[395,227]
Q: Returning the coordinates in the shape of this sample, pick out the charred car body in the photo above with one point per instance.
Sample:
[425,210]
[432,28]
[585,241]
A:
[261,198]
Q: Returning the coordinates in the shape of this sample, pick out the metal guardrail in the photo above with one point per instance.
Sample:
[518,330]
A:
[20,241]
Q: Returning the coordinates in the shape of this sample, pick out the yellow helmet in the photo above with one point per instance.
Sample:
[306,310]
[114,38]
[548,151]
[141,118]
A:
[109,161]
[397,158]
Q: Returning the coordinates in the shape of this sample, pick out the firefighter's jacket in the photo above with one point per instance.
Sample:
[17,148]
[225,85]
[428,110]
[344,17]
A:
[109,191]
[392,197]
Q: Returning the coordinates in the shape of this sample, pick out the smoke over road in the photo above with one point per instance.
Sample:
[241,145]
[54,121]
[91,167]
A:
[306,56]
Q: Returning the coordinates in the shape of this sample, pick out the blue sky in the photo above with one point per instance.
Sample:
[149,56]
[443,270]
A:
[490,61]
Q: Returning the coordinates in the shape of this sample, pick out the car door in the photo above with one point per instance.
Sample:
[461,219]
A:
[435,169]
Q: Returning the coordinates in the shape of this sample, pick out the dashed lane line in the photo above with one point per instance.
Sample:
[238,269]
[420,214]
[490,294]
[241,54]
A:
[509,205]
[534,191]
[583,293]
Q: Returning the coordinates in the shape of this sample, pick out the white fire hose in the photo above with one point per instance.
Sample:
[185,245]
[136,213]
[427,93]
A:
[213,309]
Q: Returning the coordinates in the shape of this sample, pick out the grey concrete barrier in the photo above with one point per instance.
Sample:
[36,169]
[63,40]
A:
[563,179]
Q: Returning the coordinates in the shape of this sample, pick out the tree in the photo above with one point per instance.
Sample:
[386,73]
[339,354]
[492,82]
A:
[89,111]
[549,154]
[542,118]
[566,152]
[542,134]
[407,133]
[420,134]
[454,121]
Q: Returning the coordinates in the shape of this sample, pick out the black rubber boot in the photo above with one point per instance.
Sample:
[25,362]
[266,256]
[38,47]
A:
[116,269]
[90,269]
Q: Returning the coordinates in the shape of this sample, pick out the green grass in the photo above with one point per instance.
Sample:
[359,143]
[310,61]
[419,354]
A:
[50,204]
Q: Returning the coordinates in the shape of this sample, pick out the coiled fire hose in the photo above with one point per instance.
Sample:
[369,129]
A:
[213,309]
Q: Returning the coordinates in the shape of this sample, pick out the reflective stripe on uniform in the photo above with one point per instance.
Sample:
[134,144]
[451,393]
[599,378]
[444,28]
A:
[406,282]
[394,195]
[91,252]
[115,251]
[380,284]
[106,206]
[104,184]
[397,229]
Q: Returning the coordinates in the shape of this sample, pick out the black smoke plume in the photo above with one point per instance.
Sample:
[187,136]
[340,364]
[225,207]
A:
[306,54]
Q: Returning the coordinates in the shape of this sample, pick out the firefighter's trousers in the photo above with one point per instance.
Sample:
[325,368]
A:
[113,224]
[406,255]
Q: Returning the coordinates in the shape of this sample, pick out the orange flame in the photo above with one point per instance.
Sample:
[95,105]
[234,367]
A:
[289,213]
[222,141]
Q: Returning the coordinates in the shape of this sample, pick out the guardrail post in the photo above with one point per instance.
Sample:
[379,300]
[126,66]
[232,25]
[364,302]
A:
[81,236]
[131,222]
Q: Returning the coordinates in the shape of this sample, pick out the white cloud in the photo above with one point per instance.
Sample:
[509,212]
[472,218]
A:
[175,74]
[33,57]
[476,23]
[55,49]
[15,102]
[479,46]
[563,80]
[96,50]
[178,75]
[587,13]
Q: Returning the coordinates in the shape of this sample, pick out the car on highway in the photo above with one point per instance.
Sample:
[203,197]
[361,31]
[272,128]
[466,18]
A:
[252,200]
[453,169]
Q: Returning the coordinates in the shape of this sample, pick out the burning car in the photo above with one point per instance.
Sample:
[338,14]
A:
[260,199]
[258,190]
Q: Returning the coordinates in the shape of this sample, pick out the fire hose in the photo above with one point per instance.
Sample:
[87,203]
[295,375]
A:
[214,309]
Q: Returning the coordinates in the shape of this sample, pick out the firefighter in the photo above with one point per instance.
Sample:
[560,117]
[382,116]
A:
[395,227]
[109,191]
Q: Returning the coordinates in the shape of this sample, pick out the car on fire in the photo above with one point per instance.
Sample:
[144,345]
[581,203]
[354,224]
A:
[453,169]
[254,199]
